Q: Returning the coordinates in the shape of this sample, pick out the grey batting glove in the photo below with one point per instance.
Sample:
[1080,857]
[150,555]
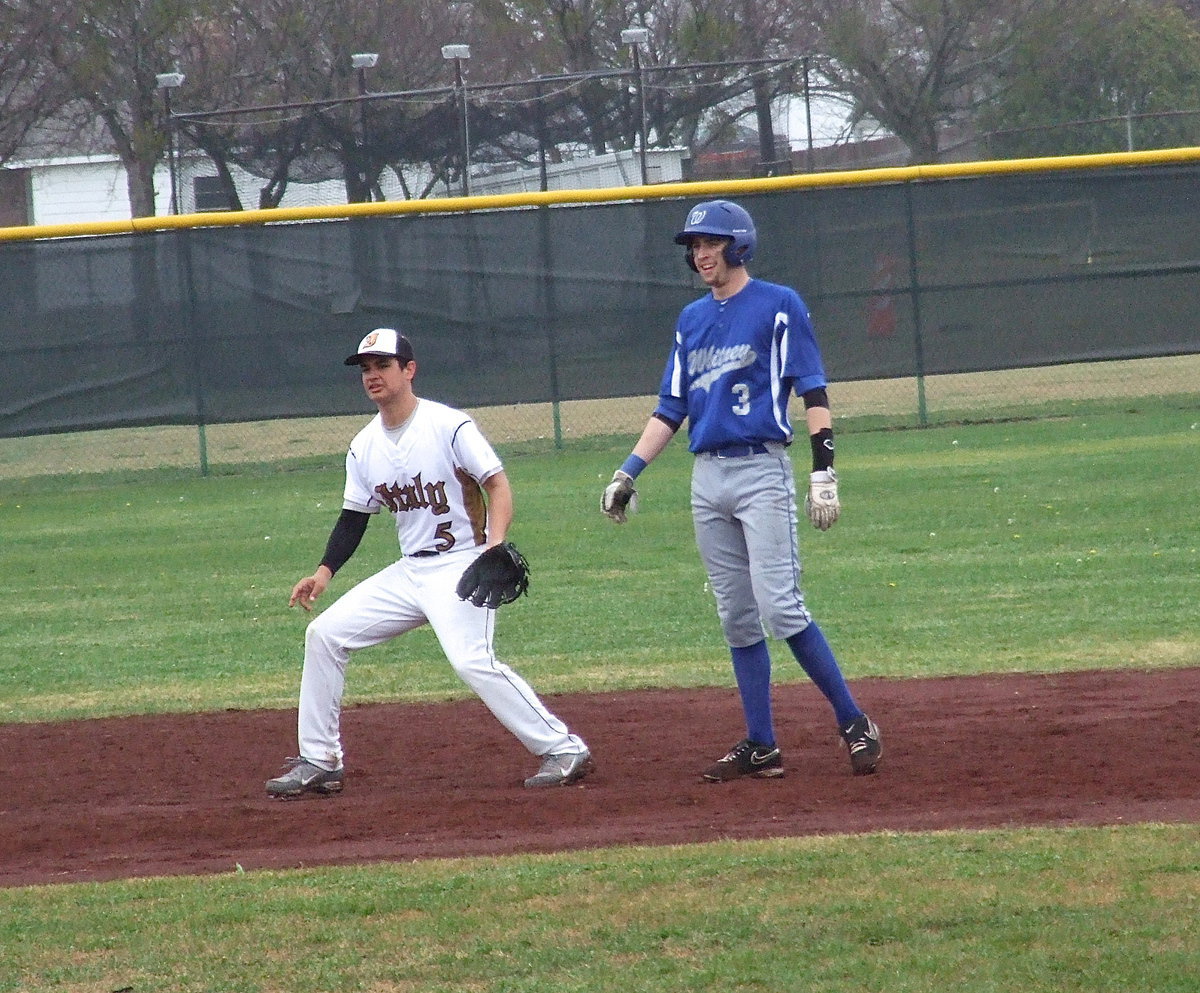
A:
[821,504]
[619,497]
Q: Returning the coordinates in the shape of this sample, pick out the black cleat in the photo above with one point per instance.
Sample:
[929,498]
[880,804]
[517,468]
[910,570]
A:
[862,739]
[747,758]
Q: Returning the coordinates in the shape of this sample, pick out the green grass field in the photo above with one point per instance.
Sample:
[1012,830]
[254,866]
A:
[1068,542]
[1056,544]
[1102,911]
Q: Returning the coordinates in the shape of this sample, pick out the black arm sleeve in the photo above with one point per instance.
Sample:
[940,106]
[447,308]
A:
[344,539]
[818,397]
[822,441]
[822,449]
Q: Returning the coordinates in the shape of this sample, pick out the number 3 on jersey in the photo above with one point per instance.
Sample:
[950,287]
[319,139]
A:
[741,402]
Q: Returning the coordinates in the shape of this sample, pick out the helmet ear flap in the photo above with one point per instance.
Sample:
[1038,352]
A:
[733,254]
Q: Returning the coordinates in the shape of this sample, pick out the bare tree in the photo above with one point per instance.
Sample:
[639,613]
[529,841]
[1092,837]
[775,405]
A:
[271,54]
[561,38]
[241,59]
[108,55]
[749,33]
[1126,74]
[546,74]
[30,92]
[702,59]
[917,65]
[293,61]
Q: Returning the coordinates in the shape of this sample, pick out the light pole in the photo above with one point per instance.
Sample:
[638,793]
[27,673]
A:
[361,62]
[168,81]
[808,115]
[635,38]
[457,53]
[541,136]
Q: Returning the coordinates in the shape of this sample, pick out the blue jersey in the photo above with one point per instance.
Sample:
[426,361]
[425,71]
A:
[735,363]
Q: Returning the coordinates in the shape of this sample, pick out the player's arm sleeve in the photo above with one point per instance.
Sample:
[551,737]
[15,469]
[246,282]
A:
[803,362]
[818,396]
[359,493]
[671,411]
[474,452]
[820,427]
[673,389]
[345,538]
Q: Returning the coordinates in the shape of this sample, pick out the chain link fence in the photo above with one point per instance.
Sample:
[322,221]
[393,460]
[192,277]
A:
[1050,391]
[987,295]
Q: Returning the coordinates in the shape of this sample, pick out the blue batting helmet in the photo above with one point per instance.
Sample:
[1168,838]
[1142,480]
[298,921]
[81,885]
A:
[722,219]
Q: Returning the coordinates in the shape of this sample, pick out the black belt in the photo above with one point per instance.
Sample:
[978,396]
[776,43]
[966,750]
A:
[739,451]
[424,554]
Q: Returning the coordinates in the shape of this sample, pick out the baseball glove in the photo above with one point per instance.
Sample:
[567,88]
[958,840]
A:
[497,577]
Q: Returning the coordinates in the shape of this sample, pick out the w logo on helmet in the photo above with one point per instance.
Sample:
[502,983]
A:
[721,219]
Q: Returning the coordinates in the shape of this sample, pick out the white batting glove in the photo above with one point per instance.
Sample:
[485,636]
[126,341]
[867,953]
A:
[619,496]
[821,504]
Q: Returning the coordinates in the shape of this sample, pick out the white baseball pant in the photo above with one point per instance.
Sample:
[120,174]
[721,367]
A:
[403,596]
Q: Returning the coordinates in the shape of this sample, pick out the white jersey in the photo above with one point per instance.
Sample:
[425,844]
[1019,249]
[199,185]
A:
[429,477]
[429,472]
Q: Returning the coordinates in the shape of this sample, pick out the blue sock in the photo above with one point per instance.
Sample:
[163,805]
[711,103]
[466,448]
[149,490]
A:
[752,669]
[815,656]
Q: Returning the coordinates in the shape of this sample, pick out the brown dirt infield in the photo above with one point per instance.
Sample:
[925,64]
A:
[173,795]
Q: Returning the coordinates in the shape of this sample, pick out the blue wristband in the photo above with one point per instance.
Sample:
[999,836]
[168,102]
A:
[633,465]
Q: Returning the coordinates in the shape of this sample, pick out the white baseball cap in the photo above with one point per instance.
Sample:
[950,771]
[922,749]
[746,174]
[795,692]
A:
[383,341]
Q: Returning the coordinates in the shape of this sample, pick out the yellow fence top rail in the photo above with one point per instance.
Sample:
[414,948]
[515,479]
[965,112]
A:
[661,191]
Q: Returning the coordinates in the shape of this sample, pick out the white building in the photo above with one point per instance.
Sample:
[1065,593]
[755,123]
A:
[83,188]
[67,190]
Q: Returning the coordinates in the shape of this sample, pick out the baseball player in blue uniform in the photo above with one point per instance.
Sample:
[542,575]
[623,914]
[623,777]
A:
[432,469]
[739,352]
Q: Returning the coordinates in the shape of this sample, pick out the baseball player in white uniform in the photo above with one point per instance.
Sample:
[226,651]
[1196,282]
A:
[432,468]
